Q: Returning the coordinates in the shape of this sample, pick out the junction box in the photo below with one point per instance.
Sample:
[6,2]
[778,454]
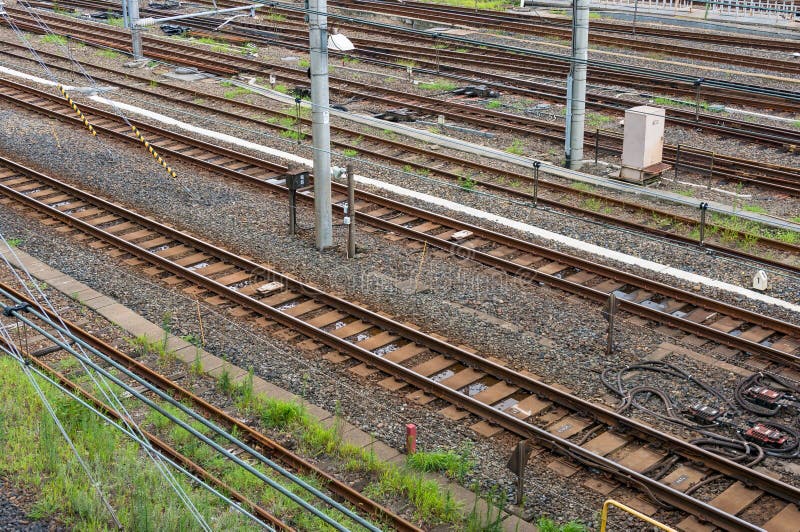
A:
[643,145]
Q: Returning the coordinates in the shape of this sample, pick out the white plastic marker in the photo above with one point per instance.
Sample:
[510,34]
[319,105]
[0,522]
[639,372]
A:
[451,205]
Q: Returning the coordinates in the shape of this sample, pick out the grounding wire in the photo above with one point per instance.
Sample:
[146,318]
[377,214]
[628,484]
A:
[105,388]
[138,440]
[197,417]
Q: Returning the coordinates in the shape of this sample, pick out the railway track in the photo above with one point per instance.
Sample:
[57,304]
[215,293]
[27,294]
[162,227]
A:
[503,398]
[743,330]
[503,23]
[777,177]
[247,434]
[395,151]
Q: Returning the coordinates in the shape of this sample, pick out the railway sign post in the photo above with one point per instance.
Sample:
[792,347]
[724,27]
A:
[703,209]
[516,463]
[293,183]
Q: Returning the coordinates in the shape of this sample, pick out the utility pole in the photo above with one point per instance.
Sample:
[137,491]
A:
[136,31]
[320,122]
[576,84]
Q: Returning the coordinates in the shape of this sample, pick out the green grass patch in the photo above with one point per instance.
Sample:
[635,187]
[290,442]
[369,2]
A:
[494,104]
[688,192]
[292,134]
[36,455]
[754,208]
[796,124]
[516,147]
[108,53]
[795,219]
[234,93]
[545,524]
[466,183]
[14,242]
[443,86]
[562,12]
[52,38]
[349,152]
[433,504]
[350,60]
[493,5]
[455,464]
[303,62]
[597,120]
[145,346]
[115,21]
[275,17]
[592,204]
[280,87]
[594,15]
[406,63]
[582,187]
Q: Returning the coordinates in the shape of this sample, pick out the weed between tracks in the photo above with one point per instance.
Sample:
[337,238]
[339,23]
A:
[52,38]
[37,455]
[387,481]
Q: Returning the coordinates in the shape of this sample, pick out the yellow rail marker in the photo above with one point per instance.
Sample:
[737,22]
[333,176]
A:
[153,152]
[77,111]
[628,509]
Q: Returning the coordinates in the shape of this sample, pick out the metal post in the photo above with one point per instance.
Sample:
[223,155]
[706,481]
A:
[577,100]
[703,208]
[292,211]
[677,160]
[297,117]
[136,31]
[320,122]
[635,12]
[536,166]
[697,85]
[610,311]
[596,144]
[351,213]
[516,463]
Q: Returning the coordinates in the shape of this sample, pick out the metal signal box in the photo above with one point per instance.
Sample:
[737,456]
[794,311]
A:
[643,145]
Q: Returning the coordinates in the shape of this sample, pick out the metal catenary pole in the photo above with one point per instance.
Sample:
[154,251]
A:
[136,30]
[577,80]
[320,122]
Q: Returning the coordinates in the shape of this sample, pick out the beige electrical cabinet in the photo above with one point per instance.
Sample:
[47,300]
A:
[643,144]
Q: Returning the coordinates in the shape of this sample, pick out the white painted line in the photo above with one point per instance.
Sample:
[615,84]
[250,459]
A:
[451,205]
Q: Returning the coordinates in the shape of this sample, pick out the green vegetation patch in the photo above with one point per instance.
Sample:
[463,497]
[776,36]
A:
[52,38]
[443,86]
[36,455]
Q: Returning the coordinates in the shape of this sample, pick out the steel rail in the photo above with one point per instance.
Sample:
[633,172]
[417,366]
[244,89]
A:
[507,421]
[527,272]
[354,497]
